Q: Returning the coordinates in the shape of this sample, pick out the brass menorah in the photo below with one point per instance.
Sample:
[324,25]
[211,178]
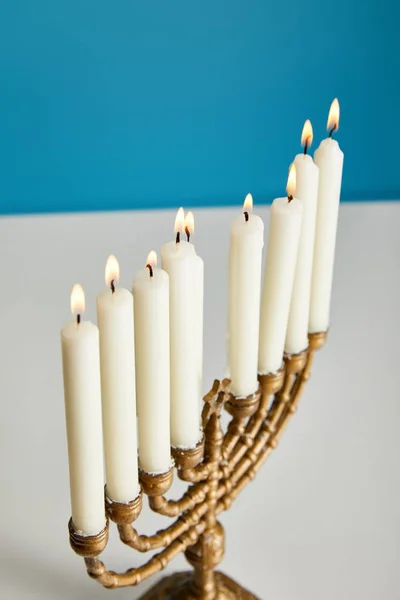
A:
[217,470]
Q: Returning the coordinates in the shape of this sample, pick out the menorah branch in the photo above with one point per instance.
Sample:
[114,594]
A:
[164,537]
[132,577]
[171,508]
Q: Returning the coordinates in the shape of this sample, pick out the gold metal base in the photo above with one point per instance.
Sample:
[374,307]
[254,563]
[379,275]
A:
[177,587]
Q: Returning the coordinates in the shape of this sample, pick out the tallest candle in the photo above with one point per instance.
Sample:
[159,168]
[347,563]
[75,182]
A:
[245,255]
[329,159]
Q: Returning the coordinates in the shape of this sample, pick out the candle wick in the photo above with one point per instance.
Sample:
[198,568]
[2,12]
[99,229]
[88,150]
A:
[246,216]
[187,231]
[306,145]
[178,237]
[290,198]
[112,286]
[332,130]
[150,268]
[78,319]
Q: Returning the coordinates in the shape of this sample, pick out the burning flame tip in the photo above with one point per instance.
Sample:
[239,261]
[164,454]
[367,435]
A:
[291,182]
[152,259]
[248,203]
[179,220]
[189,222]
[77,299]
[334,115]
[112,270]
[307,134]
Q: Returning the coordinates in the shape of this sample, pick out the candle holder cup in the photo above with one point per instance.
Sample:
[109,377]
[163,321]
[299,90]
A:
[217,469]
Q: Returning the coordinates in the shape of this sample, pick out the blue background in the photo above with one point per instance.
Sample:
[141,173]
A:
[128,104]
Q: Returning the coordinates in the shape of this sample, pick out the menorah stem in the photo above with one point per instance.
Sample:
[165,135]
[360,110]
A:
[206,554]
[204,585]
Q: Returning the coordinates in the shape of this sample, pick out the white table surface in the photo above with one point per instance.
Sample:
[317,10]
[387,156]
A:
[322,519]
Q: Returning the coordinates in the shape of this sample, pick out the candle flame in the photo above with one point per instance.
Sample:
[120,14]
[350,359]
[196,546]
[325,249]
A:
[333,117]
[152,259]
[248,203]
[189,222]
[77,300]
[179,220]
[307,134]
[291,182]
[112,270]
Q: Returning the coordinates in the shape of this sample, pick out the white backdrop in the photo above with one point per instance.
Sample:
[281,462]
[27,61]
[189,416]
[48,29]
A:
[322,519]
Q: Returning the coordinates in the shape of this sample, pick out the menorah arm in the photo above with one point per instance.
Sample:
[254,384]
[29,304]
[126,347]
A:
[301,381]
[247,448]
[210,467]
[263,429]
[266,441]
[110,579]
[247,414]
[196,474]
[172,508]
[252,463]
[280,387]
[164,537]
[236,429]
[252,430]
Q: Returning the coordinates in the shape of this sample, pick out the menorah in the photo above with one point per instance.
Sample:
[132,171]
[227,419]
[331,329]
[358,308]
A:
[217,469]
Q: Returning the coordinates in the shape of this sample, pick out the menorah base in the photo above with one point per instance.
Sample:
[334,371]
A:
[178,586]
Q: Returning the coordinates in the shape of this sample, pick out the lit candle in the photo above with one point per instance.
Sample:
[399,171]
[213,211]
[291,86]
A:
[199,297]
[329,159]
[307,192]
[115,319]
[186,274]
[81,370]
[283,243]
[151,296]
[245,257]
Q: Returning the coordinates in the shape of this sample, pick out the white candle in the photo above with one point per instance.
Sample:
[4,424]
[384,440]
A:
[185,270]
[307,192]
[81,370]
[199,297]
[115,319]
[329,159]
[151,295]
[283,242]
[245,258]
